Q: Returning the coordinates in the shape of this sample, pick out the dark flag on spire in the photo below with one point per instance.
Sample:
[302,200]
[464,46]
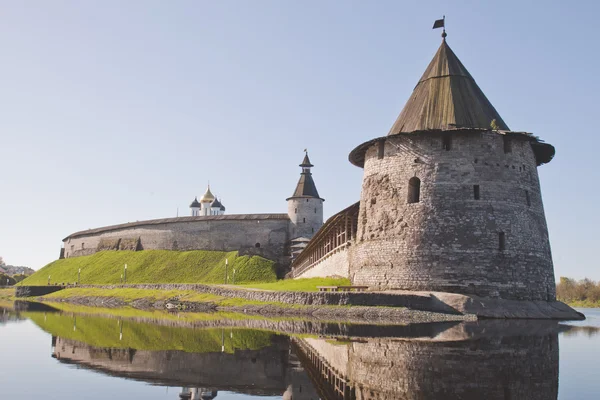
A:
[439,23]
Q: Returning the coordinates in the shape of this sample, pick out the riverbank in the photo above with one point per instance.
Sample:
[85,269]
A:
[193,301]
[385,305]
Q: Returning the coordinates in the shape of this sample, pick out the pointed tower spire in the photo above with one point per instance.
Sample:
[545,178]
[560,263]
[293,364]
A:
[445,98]
[306,185]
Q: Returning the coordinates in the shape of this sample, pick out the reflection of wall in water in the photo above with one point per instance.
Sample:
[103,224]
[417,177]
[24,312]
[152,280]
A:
[523,367]
[270,370]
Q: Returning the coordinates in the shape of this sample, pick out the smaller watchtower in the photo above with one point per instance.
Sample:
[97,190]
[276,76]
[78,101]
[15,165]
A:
[305,207]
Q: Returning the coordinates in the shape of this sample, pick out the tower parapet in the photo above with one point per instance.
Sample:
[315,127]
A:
[305,207]
[451,198]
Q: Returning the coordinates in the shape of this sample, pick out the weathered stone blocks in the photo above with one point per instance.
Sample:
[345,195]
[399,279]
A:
[478,227]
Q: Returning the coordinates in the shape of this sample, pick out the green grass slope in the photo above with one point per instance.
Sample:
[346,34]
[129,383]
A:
[156,266]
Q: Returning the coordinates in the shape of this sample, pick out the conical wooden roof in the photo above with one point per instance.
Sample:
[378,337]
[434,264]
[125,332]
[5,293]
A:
[446,98]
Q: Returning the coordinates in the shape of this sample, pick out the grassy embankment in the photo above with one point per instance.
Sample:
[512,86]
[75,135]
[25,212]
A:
[156,266]
[7,294]
[163,266]
[130,295]
[95,331]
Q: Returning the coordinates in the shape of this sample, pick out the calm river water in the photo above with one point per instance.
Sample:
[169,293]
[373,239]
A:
[46,354]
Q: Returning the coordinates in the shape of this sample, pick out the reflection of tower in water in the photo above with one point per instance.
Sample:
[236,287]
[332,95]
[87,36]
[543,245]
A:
[197,394]
[460,366]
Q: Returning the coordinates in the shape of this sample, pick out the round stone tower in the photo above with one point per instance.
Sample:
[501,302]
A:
[451,198]
[305,207]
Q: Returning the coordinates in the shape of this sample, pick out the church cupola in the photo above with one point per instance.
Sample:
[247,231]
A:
[195,207]
[305,207]
[205,202]
[216,208]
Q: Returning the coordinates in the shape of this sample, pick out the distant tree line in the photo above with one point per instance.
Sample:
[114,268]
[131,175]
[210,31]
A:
[570,291]
[8,280]
[11,275]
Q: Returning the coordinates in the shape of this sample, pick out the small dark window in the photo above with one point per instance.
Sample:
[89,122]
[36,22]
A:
[304,220]
[446,142]
[381,149]
[414,190]
[507,144]
[313,230]
[501,241]
[83,245]
[307,200]
[476,192]
[295,211]
[257,245]
[315,210]
[527,198]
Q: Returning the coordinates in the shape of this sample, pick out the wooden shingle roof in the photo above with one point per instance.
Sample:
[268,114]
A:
[446,98]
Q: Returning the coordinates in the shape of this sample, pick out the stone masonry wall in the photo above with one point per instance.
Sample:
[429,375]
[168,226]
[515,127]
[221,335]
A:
[449,241]
[336,264]
[267,237]
[306,216]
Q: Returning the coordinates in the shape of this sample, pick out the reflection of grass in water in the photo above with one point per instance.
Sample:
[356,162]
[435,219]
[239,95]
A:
[156,266]
[103,332]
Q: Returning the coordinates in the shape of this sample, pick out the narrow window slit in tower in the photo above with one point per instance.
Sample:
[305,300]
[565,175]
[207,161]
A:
[414,190]
[527,198]
[507,144]
[295,211]
[381,149]
[304,220]
[476,192]
[446,142]
[501,241]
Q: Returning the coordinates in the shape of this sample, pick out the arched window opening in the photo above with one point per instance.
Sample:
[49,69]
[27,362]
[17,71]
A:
[476,192]
[257,245]
[527,198]
[507,144]
[501,241]
[304,220]
[414,190]
[446,142]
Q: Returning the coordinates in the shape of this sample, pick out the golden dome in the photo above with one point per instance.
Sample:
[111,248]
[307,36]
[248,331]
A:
[207,197]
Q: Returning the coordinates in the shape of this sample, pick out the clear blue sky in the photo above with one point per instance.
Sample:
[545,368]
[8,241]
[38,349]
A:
[116,111]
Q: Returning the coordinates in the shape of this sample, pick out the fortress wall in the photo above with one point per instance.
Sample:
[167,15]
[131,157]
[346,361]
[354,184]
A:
[335,264]
[220,235]
[449,241]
